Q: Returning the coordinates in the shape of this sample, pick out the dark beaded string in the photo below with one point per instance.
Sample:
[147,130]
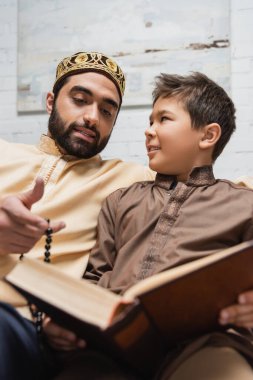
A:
[47,253]
[36,314]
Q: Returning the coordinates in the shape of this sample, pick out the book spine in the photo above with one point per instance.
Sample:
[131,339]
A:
[136,340]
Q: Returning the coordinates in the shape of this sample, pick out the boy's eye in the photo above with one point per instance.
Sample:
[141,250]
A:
[164,118]
[106,112]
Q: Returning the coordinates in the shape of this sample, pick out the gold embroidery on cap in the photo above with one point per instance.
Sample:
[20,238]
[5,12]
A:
[93,61]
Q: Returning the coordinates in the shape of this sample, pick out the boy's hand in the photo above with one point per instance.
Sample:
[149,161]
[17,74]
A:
[59,338]
[19,228]
[241,314]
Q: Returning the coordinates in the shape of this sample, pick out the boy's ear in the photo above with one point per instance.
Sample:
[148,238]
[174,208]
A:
[49,102]
[211,134]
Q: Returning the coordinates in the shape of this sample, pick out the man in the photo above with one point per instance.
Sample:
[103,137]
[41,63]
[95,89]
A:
[83,109]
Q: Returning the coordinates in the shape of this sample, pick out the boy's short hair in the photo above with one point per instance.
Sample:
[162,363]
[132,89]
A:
[204,100]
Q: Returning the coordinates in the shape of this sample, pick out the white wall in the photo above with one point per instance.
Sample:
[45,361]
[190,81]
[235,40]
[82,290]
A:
[127,139]
[237,159]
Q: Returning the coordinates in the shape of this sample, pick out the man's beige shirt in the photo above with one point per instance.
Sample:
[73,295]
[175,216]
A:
[74,191]
[245,181]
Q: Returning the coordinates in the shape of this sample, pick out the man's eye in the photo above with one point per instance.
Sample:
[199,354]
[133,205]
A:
[79,100]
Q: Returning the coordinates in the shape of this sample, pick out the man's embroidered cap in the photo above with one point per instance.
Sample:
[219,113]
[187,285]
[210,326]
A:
[91,61]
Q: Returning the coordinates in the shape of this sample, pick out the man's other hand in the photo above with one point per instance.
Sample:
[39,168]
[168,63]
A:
[59,338]
[20,229]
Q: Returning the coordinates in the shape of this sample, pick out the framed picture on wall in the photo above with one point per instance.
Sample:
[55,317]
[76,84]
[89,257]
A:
[145,37]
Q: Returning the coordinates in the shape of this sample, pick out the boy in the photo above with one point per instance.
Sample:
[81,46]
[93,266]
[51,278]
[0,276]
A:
[183,215]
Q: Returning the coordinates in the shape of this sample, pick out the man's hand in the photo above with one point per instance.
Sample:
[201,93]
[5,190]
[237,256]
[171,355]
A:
[19,228]
[241,314]
[61,339]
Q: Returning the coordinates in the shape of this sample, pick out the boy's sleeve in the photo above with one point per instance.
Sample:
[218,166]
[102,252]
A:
[103,254]
[248,231]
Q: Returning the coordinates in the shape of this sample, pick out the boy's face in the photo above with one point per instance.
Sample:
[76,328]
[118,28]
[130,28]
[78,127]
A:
[172,144]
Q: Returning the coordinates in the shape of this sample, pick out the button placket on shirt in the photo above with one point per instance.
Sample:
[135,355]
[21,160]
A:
[176,198]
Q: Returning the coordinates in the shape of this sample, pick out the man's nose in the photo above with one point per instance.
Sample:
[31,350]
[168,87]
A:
[91,115]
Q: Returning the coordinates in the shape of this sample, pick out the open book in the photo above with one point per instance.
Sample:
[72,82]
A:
[153,315]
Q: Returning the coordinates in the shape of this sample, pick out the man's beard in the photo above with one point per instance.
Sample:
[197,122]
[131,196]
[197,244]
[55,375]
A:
[73,145]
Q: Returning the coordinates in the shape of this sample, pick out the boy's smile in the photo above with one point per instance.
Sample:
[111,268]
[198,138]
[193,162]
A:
[152,148]
[172,144]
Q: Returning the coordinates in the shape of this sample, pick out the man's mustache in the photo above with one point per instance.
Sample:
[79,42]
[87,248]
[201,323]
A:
[92,128]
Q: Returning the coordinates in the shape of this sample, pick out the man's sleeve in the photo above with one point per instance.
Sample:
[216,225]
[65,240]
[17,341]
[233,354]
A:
[245,181]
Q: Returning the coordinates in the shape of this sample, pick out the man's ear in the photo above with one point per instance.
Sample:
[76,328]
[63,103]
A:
[211,134]
[49,102]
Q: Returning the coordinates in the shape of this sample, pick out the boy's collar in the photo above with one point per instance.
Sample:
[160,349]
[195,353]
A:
[200,176]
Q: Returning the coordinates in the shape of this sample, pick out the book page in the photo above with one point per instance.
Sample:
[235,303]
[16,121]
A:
[77,297]
[177,272]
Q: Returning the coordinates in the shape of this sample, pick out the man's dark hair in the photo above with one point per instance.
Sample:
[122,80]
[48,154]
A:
[59,86]
[204,100]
